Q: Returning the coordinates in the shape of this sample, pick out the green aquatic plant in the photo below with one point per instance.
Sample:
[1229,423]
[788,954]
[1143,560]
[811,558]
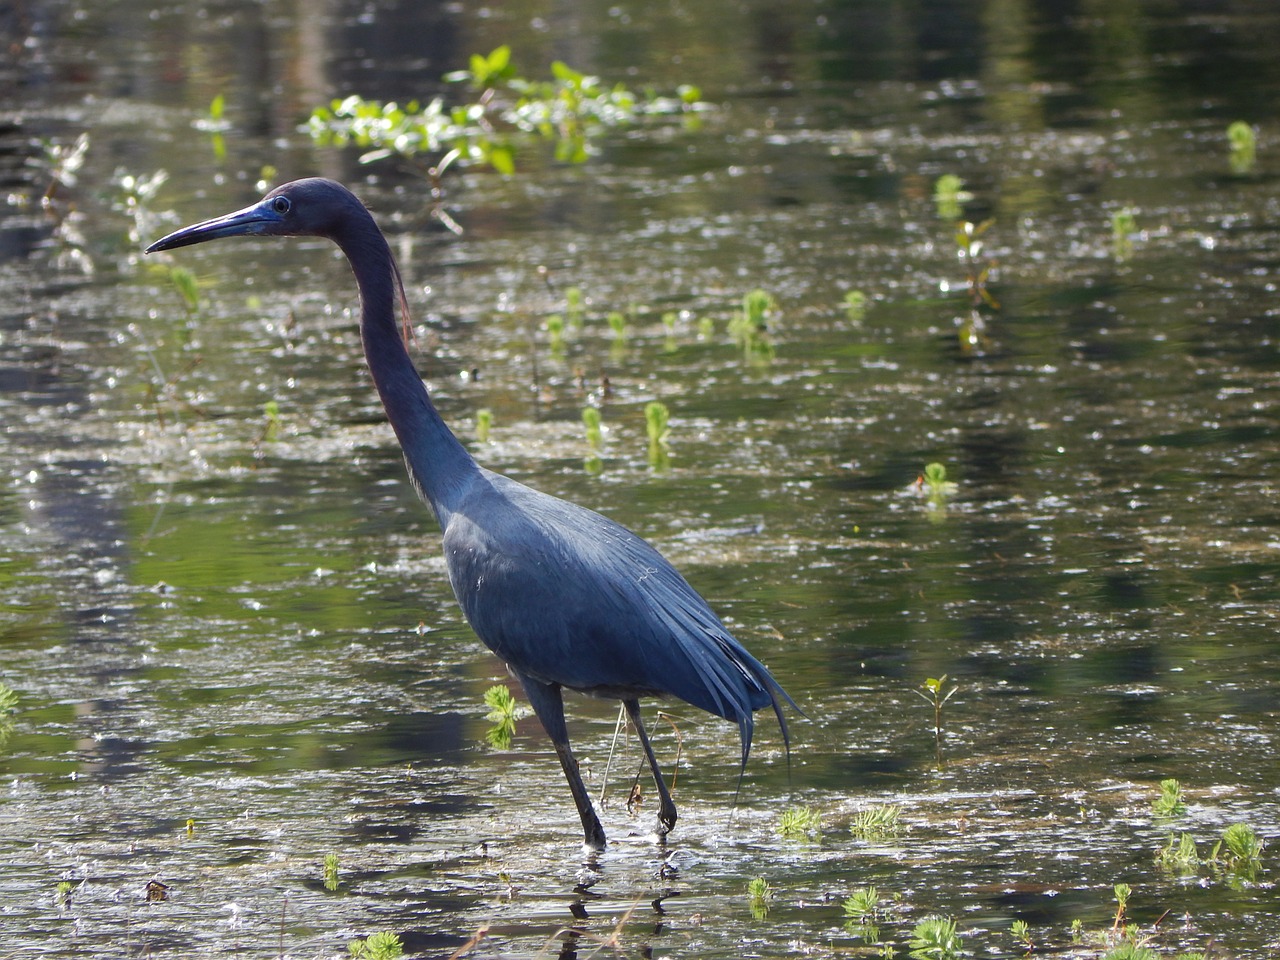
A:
[133,195]
[877,823]
[188,287]
[8,709]
[62,893]
[591,422]
[861,905]
[800,823]
[749,326]
[504,712]
[855,305]
[969,248]
[575,305]
[331,881]
[656,420]
[617,321]
[1239,851]
[935,694]
[1124,224]
[935,938]
[1179,854]
[1021,932]
[554,326]
[271,426]
[949,196]
[61,164]
[383,945]
[570,110]
[484,423]
[759,893]
[1170,802]
[1244,147]
[1130,950]
[1122,892]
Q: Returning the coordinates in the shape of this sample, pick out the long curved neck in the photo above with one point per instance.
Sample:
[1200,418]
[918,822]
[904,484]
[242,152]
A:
[439,466]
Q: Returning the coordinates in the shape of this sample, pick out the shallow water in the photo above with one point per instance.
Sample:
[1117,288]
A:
[234,655]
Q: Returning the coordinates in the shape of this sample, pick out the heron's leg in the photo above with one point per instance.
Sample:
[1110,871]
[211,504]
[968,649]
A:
[549,706]
[666,806]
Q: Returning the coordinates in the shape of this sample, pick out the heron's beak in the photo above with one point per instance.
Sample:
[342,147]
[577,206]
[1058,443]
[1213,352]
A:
[251,221]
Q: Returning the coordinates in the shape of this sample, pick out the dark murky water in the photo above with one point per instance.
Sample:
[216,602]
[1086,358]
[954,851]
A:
[256,636]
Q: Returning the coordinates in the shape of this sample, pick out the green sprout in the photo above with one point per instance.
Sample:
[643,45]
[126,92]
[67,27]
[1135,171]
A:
[271,428]
[555,333]
[62,893]
[618,324]
[8,708]
[1179,854]
[1244,147]
[759,893]
[484,423]
[706,328]
[750,326]
[861,905]
[331,880]
[1243,851]
[1170,802]
[1122,891]
[1022,933]
[877,823]
[855,305]
[1124,224]
[935,938]
[185,282]
[656,420]
[933,694]
[949,196]
[800,823]
[669,321]
[503,713]
[383,945]
[969,246]
[591,421]
[574,305]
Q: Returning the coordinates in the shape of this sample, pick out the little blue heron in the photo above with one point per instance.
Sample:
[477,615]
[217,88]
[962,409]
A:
[566,597]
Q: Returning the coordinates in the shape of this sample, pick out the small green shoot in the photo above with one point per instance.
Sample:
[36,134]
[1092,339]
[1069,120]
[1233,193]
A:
[1244,147]
[331,881]
[1179,855]
[62,893]
[935,938]
[861,905]
[969,246]
[1130,950]
[1022,933]
[503,713]
[1124,225]
[271,426]
[949,196]
[937,490]
[574,306]
[656,420]
[1077,931]
[1239,851]
[759,893]
[934,694]
[750,326]
[618,324]
[1170,802]
[877,823]
[555,334]
[8,708]
[800,823]
[484,423]
[591,421]
[383,945]
[855,305]
[706,328]
[62,164]
[185,282]
[1122,891]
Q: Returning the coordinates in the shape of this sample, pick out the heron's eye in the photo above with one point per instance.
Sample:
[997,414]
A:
[281,205]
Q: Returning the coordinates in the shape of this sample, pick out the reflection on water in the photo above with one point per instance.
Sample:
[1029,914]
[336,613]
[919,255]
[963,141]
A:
[235,656]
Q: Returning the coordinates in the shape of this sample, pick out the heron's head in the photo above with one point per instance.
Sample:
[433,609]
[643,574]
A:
[314,208]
